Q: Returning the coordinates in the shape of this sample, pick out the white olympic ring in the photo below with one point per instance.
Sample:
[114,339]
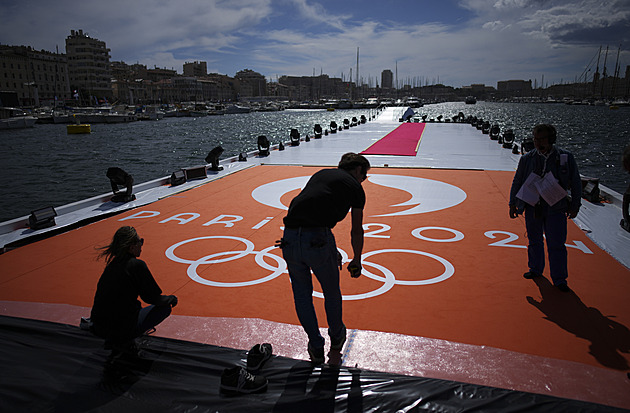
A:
[449,270]
[389,282]
[458,235]
[389,279]
[208,259]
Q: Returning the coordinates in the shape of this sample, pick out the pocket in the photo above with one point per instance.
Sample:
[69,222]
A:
[318,242]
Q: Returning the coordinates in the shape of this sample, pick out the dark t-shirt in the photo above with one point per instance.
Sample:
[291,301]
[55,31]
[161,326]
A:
[325,200]
[116,306]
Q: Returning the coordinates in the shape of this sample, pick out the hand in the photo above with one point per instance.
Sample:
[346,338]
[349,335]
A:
[172,300]
[572,214]
[339,263]
[513,211]
[355,268]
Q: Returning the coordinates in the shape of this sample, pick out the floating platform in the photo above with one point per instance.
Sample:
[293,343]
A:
[79,128]
[441,317]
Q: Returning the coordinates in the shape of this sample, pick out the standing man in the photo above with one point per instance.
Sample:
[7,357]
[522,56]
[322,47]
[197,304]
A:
[308,244]
[540,185]
[625,206]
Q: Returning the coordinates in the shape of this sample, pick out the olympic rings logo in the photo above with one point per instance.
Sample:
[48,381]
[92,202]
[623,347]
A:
[387,277]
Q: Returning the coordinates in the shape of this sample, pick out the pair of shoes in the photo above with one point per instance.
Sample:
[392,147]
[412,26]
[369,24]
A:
[531,274]
[563,287]
[316,354]
[258,355]
[237,380]
[337,344]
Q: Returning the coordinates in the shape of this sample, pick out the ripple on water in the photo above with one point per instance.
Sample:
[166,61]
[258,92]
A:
[45,166]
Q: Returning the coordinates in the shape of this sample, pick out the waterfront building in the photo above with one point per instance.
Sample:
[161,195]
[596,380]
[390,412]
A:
[195,69]
[88,66]
[301,88]
[278,90]
[252,83]
[157,73]
[514,88]
[478,90]
[387,79]
[38,77]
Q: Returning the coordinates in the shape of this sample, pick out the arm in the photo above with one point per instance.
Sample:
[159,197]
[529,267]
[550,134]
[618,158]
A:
[166,300]
[576,189]
[517,182]
[149,290]
[625,209]
[356,239]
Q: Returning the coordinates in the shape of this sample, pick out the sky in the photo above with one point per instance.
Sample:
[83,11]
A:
[453,42]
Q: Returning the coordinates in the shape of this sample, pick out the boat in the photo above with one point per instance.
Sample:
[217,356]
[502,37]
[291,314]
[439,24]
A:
[97,114]
[471,100]
[149,113]
[13,118]
[79,128]
[371,103]
[413,102]
[441,318]
[344,104]
[231,109]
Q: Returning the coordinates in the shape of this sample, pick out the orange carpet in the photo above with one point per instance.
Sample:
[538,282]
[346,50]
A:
[213,248]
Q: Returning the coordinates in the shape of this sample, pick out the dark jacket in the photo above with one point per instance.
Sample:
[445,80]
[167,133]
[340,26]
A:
[565,172]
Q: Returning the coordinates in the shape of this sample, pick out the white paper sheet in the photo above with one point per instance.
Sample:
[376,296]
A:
[529,191]
[549,188]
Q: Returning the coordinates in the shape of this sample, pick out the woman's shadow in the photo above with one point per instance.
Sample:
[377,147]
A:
[608,337]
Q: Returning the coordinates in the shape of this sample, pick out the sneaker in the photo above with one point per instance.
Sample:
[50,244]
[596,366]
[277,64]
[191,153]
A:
[316,354]
[337,344]
[237,380]
[258,355]
[531,274]
[563,287]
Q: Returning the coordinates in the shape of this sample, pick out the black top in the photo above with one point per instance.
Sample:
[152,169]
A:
[116,306]
[325,200]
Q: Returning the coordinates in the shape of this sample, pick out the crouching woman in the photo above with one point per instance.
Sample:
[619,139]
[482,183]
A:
[117,315]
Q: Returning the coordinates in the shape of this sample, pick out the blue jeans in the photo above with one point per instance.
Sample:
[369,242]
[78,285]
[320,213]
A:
[314,249]
[554,225]
[151,316]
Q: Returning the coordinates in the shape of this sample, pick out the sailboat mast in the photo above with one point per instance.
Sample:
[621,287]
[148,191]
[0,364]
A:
[604,73]
[596,74]
[357,82]
[616,73]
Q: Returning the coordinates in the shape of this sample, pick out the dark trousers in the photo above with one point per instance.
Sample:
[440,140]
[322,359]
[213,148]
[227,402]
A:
[553,224]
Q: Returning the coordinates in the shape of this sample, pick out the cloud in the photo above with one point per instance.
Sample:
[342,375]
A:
[494,26]
[584,22]
[561,22]
[459,41]
[315,13]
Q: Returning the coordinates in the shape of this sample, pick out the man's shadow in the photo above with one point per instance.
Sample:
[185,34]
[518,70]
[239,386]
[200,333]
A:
[310,388]
[608,337]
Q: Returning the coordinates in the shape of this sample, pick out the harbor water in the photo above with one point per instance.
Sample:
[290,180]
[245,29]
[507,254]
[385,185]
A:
[44,166]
